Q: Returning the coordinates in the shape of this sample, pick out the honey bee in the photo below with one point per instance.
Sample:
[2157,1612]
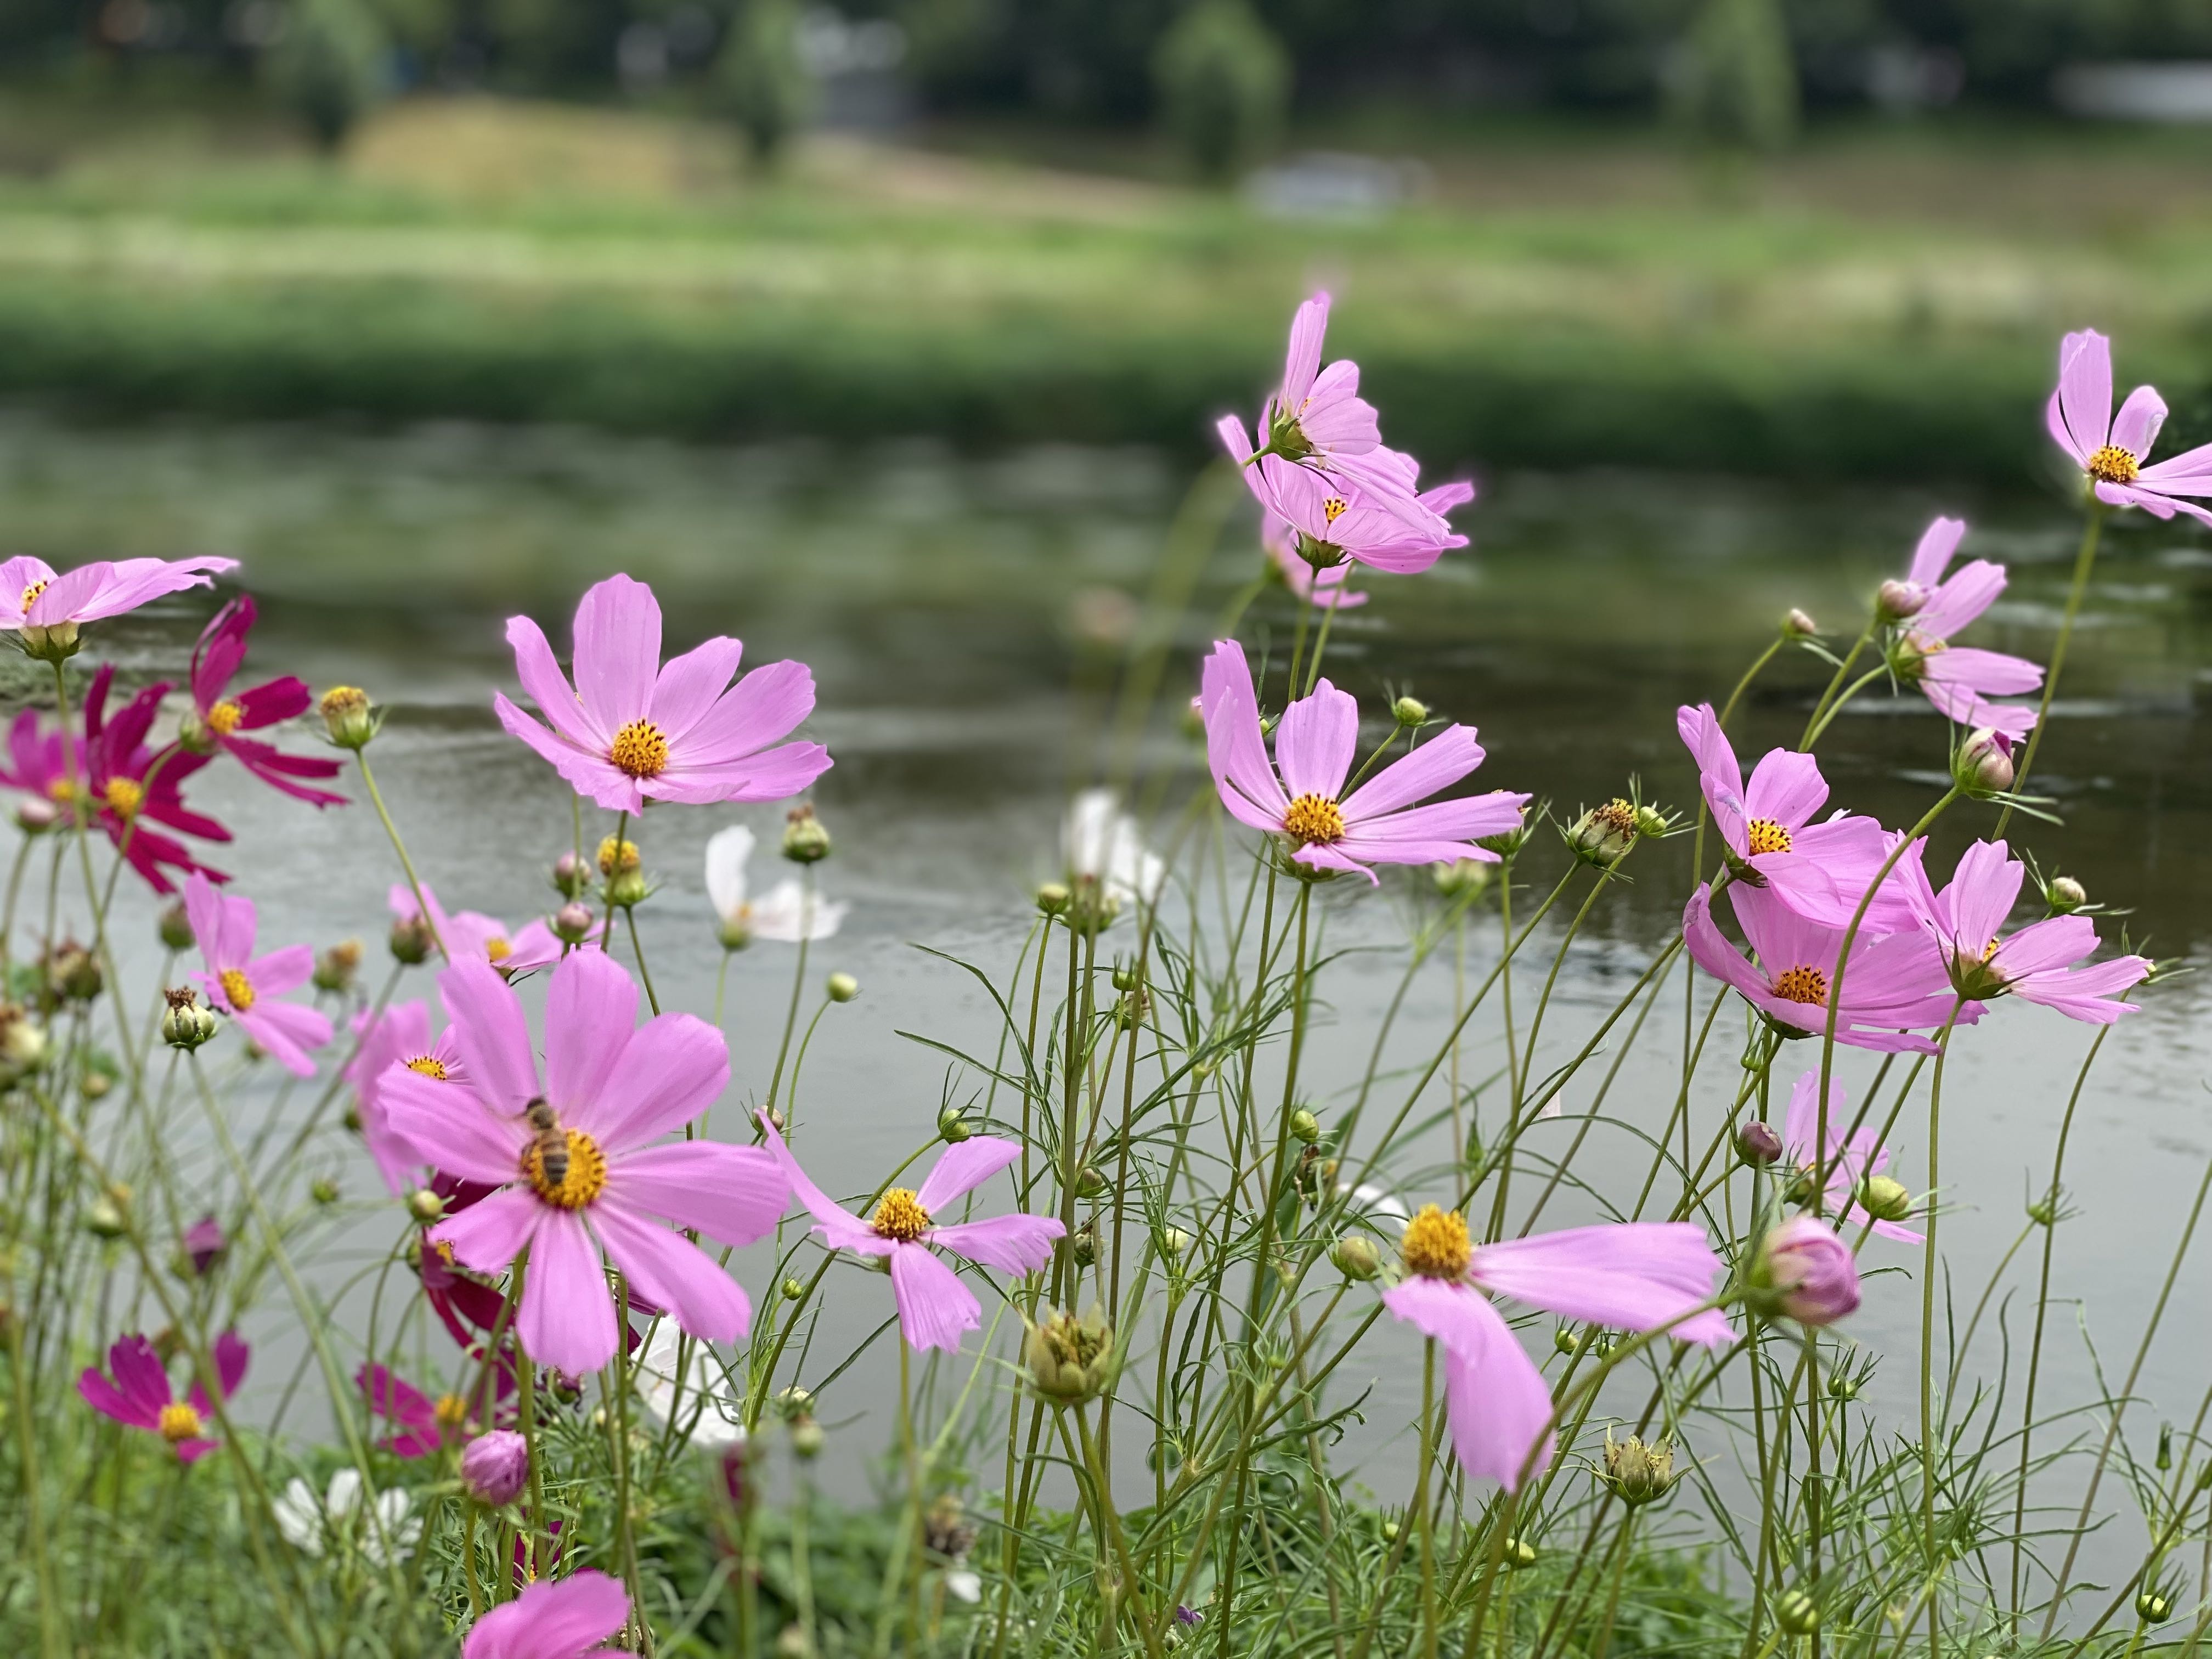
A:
[550,1142]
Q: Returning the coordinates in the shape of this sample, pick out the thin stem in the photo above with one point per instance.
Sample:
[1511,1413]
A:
[2085,558]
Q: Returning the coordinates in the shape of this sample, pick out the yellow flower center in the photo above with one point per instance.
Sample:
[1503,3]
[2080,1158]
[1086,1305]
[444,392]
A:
[61,790]
[222,720]
[900,1216]
[2111,464]
[179,1422]
[585,1177]
[611,852]
[1806,985]
[1435,1244]
[1334,507]
[497,948]
[126,796]
[237,988]
[1313,818]
[31,594]
[430,1065]
[640,750]
[1766,836]
[451,1411]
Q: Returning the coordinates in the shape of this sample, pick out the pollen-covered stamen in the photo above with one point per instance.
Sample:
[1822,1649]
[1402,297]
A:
[1766,836]
[31,594]
[179,1422]
[222,720]
[237,988]
[586,1175]
[497,948]
[61,790]
[1334,507]
[1435,1244]
[124,796]
[1313,818]
[639,749]
[2114,464]
[451,1411]
[430,1065]
[1806,985]
[899,1215]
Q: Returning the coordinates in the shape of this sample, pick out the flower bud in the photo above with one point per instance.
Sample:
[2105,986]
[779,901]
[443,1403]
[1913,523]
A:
[2164,1459]
[412,940]
[1604,833]
[205,1244]
[1462,877]
[495,1467]
[1757,1145]
[324,1191]
[425,1206]
[1409,711]
[793,1403]
[334,968]
[842,987]
[1798,1614]
[2154,1607]
[2043,1211]
[1069,1360]
[626,889]
[1084,1245]
[1842,1385]
[805,840]
[1506,843]
[565,1386]
[185,1024]
[1565,1340]
[1356,1257]
[806,1437]
[572,877]
[1174,1242]
[75,973]
[1637,1473]
[1883,1199]
[35,815]
[1982,766]
[1797,625]
[1051,898]
[347,714]
[1519,1553]
[2064,896]
[617,854]
[1088,1184]
[104,1218]
[1130,1009]
[572,922]
[794,1289]
[1896,600]
[952,1127]
[1806,1273]
[175,928]
[23,1045]
[1305,1125]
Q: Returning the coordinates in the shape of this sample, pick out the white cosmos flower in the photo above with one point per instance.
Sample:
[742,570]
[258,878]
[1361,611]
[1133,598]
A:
[339,1519]
[1100,841]
[716,1424]
[784,912]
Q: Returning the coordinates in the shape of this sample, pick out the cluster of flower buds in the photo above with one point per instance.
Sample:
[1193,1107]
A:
[1804,1271]
[185,1024]
[1070,1360]
[1637,1473]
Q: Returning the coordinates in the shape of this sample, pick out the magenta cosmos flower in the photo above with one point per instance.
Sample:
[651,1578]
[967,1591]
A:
[1930,609]
[2110,449]
[2037,963]
[611,1089]
[1316,421]
[141,1395]
[1851,1158]
[46,607]
[204,1243]
[626,733]
[934,1308]
[1633,1276]
[1820,871]
[400,1035]
[246,987]
[425,1426]
[1893,985]
[218,717]
[1297,796]
[470,935]
[552,1619]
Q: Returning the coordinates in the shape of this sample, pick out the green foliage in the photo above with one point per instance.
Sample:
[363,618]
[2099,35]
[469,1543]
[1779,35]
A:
[327,66]
[1734,83]
[760,81]
[1224,84]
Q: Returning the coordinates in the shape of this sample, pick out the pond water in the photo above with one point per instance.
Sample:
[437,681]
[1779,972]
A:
[932,593]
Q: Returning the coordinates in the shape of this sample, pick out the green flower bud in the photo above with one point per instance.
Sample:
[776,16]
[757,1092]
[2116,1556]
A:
[412,940]
[952,1127]
[806,1437]
[1883,1199]
[348,715]
[1088,1184]
[324,1191]
[176,928]
[1356,1257]
[1305,1125]
[2154,1607]
[425,1206]
[842,987]
[1796,1612]
[1637,1473]
[2064,896]
[1519,1553]
[1409,711]
[1069,1360]
[626,889]
[806,838]
[1603,833]
[185,1024]
[793,1289]
[1051,898]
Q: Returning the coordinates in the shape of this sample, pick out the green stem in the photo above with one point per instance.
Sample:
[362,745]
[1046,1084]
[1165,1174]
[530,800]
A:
[2085,558]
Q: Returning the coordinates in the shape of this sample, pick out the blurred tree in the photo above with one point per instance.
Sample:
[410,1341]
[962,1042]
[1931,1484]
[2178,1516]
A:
[761,82]
[1733,80]
[327,66]
[1224,84]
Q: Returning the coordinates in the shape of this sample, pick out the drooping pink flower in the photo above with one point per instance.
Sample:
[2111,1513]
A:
[1930,610]
[2036,964]
[204,1242]
[934,1308]
[34,596]
[400,1035]
[2111,449]
[552,1619]
[1297,795]
[1316,420]
[1326,588]
[425,1426]
[1807,1273]
[141,1395]
[612,1088]
[1893,984]
[1637,1276]
[246,987]
[625,734]
[470,935]
[1328,521]
[1821,871]
[1850,1158]
[219,717]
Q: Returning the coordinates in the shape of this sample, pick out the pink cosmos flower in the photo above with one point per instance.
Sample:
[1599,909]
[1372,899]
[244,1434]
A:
[612,1088]
[245,986]
[469,1305]
[141,1395]
[1317,420]
[1636,1276]
[216,659]
[1893,984]
[1931,610]
[1327,521]
[2037,963]
[624,735]
[1316,744]
[2110,449]
[934,1308]
[425,1426]
[34,596]
[1821,871]
[1851,1159]
[552,1619]
[1325,589]
[401,1035]
[471,935]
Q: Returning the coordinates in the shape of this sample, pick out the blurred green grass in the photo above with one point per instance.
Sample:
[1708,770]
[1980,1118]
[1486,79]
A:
[1885,304]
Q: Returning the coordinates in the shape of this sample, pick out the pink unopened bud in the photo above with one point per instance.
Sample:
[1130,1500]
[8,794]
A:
[1799,626]
[1897,600]
[573,922]
[1983,766]
[204,1243]
[1757,1143]
[495,1467]
[1805,1271]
